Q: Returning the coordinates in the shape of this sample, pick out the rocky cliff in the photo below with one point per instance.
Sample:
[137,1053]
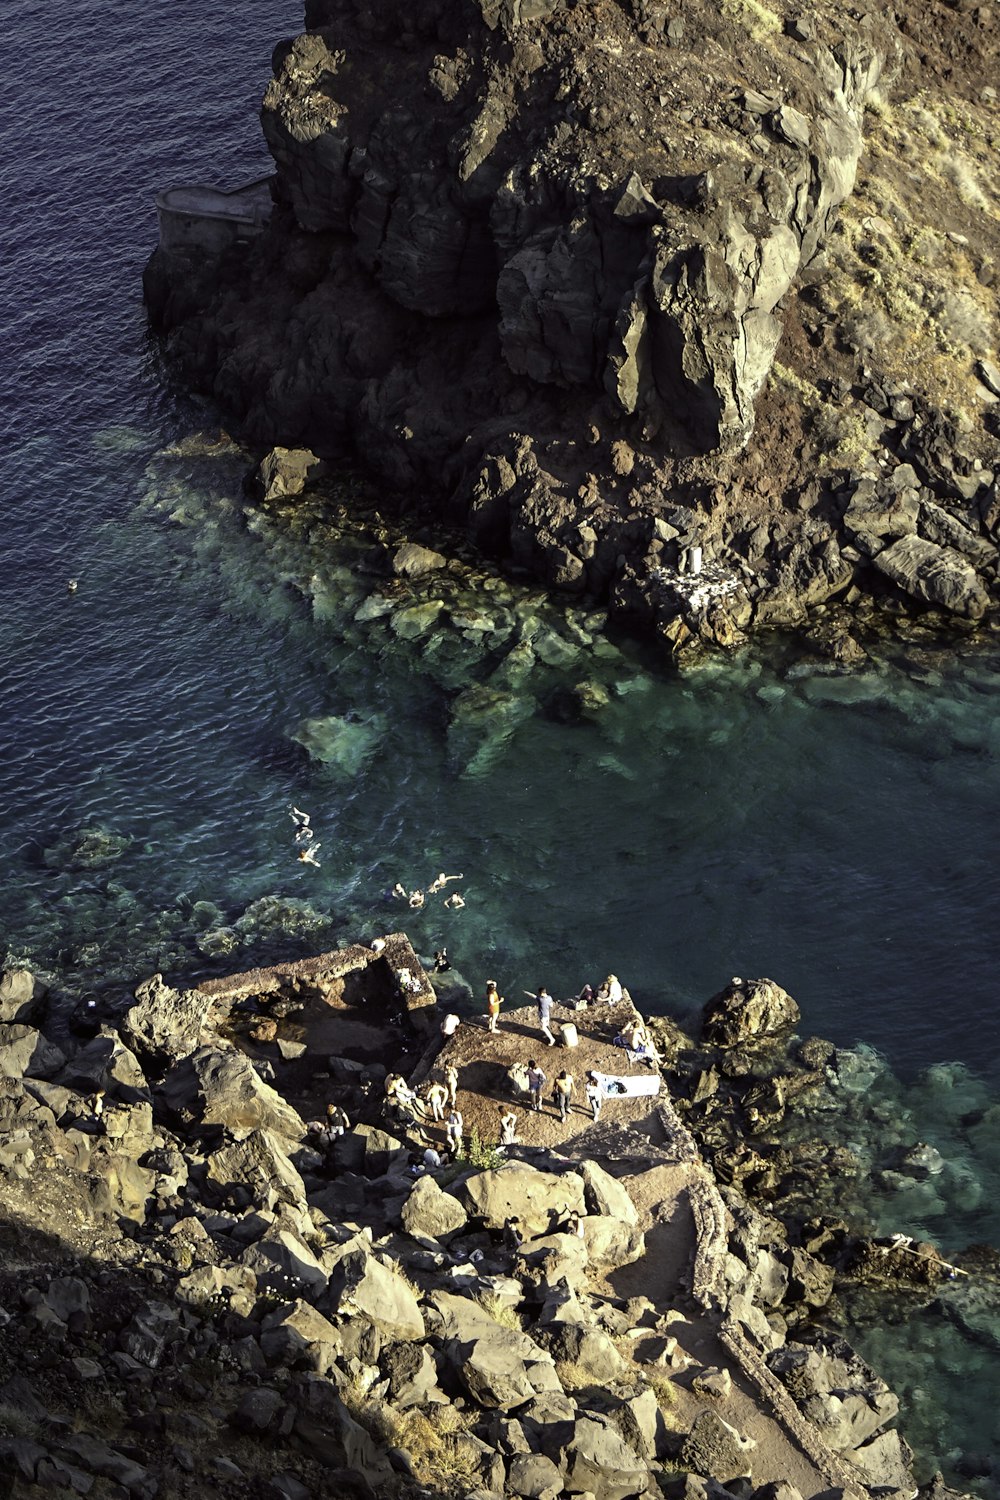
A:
[606,283]
[204,1291]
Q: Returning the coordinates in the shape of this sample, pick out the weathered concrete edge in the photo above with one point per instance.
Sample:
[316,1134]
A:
[708,1290]
[395,949]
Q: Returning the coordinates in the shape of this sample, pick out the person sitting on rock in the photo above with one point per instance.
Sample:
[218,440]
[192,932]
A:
[641,1046]
[611,990]
[512,1236]
[389,1085]
[508,1126]
[450,1025]
[572,1224]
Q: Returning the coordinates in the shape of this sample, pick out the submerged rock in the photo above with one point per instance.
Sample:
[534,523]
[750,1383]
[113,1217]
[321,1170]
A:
[343,745]
[88,849]
[483,719]
[272,916]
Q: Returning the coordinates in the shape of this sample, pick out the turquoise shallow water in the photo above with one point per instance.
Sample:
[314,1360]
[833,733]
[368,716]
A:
[837,834]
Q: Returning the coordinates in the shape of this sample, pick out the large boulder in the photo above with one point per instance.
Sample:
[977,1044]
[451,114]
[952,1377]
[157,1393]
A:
[934,575]
[127,1185]
[605,1195]
[747,1011]
[590,1352]
[462,1320]
[370,1150]
[26,1053]
[714,1448]
[329,1434]
[412,1376]
[555,1259]
[360,1285]
[533,1476]
[254,1171]
[286,471]
[21,996]
[216,1087]
[464,1326]
[885,1463]
[282,1262]
[640,1421]
[611,1243]
[431,1212]
[839,1393]
[105,1063]
[410,560]
[494,1374]
[164,1025]
[538,1199]
[601,1462]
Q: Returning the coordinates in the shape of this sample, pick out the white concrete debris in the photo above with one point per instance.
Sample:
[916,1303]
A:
[699,590]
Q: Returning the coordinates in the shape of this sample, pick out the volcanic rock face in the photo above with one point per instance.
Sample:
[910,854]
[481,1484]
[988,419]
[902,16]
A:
[489,172]
[533,260]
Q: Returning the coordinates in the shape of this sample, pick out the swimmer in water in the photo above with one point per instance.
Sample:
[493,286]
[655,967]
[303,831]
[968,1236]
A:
[416,899]
[307,856]
[455,902]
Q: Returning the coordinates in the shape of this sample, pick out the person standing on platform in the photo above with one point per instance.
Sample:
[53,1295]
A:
[543,1005]
[437,1098]
[564,1093]
[454,1128]
[494,1000]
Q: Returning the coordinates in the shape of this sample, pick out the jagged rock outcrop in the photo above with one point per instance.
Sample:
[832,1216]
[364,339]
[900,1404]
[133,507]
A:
[261,1302]
[747,1012]
[534,262]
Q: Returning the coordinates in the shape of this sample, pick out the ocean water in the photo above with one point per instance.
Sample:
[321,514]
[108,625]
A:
[838,834]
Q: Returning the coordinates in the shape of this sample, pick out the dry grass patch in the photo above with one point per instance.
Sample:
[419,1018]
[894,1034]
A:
[758,19]
[439,1451]
[500,1311]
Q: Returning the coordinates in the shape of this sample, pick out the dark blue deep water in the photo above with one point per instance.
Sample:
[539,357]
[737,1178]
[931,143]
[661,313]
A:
[838,834]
